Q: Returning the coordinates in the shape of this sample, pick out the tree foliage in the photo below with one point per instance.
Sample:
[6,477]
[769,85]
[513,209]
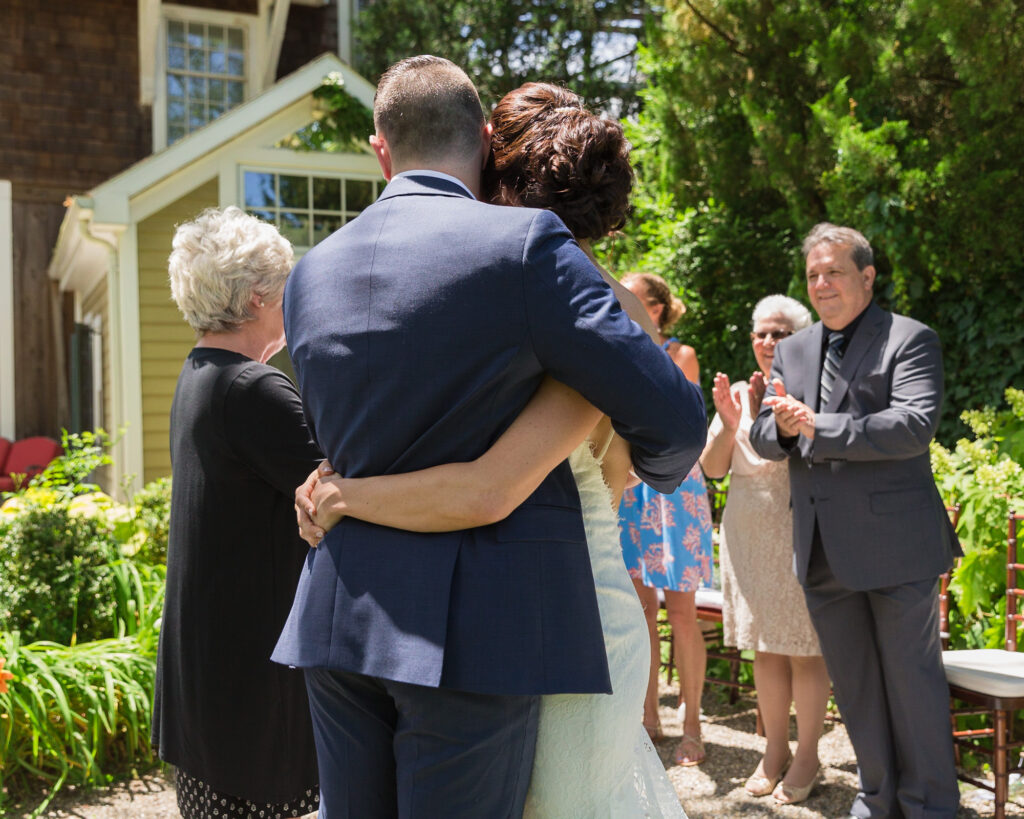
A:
[589,45]
[903,119]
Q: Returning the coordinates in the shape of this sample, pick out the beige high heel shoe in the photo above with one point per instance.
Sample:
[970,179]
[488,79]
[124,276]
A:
[760,784]
[791,794]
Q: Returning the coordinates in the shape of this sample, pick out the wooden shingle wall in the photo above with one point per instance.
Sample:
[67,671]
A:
[71,118]
[311,31]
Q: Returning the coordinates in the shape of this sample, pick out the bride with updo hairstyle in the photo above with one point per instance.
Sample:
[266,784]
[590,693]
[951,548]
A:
[548,151]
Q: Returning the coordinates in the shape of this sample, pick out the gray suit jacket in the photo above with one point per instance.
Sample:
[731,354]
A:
[866,476]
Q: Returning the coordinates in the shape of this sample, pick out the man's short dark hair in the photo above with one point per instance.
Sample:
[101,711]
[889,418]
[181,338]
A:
[827,233]
[428,109]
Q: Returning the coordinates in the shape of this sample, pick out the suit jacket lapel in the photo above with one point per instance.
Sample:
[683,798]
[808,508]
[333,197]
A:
[812,366]
[810,374]
[863,338]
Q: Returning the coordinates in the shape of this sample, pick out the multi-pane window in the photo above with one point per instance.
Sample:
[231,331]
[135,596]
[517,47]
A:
[306,209]
[206,74]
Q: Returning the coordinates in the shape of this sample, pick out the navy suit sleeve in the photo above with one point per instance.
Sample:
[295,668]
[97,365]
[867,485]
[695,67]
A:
[582,337]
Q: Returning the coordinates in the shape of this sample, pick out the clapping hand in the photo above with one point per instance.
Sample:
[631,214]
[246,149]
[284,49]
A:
[728,405]
[792,417]
[755,390]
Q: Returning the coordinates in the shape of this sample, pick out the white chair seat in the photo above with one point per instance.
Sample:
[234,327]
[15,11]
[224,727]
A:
[709,598]
[989,671]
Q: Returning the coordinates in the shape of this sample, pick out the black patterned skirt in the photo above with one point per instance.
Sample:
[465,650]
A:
[197,800]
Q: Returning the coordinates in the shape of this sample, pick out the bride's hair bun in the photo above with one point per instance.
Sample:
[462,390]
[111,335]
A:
[549,151]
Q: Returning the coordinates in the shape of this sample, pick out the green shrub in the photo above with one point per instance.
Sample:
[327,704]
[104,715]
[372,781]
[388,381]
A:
[152,515]
[68,474]
[75,568]
[985,477]
[55,576]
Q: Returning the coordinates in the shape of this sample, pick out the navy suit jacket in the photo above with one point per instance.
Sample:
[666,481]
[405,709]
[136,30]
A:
[418,332]
[866,477]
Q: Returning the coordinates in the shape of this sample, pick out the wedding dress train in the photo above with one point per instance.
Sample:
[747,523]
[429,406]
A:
[594,759]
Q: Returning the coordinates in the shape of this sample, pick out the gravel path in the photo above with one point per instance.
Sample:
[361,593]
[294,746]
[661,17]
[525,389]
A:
[712,789]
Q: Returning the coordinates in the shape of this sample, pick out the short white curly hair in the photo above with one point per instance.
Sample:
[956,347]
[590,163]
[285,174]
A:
[795,314]
[220,259]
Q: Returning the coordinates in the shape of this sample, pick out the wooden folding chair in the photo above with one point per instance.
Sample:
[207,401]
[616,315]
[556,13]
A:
[944,578]
[991,681]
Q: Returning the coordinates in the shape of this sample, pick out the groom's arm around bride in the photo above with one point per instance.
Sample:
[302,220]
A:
[419,331]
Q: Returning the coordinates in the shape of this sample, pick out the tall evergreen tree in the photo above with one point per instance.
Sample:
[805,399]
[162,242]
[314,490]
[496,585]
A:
[903,119]
[588,45]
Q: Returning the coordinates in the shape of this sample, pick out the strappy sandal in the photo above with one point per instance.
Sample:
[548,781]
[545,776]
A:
[654,732]
[690,751]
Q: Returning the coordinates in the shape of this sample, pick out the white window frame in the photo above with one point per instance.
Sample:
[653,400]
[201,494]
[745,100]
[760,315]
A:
[282,170]
[7,380]
[255,53]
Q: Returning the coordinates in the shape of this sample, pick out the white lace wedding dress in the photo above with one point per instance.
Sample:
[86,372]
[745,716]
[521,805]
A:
[594,759]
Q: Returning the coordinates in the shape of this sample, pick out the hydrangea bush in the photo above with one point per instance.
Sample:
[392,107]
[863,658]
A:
[984,475]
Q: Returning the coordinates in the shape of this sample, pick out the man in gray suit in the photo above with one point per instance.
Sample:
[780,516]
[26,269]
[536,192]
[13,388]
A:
[853,404]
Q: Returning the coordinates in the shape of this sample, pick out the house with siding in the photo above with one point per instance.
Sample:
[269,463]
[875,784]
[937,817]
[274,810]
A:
[155,111]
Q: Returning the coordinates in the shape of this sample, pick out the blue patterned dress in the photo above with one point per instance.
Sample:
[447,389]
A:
[666,539]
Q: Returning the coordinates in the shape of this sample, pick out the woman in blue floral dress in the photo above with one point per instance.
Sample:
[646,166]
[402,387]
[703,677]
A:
[666,543]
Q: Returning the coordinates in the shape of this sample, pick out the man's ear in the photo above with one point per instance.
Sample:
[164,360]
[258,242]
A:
[486,136]
[383,153]
[869,276]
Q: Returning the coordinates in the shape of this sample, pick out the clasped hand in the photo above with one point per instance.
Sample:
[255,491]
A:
[313,504]
[792,417]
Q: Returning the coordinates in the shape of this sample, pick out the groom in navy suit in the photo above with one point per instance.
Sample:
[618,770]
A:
[418,333]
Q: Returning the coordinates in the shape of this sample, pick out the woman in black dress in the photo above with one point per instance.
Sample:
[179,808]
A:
[234,724]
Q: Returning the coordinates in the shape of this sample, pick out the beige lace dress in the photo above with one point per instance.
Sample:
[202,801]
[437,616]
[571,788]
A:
[764,608]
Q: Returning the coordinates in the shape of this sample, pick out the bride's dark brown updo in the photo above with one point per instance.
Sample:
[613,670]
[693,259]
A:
[548,151]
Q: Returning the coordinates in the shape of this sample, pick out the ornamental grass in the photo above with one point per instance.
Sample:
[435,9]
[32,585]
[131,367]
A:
[75,715]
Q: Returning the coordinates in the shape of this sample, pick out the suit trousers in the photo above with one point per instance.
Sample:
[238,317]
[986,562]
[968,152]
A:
[883,654]
[391,750]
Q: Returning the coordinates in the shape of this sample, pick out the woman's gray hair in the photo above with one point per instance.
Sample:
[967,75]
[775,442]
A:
[220,259]
[827,233]
[791,310]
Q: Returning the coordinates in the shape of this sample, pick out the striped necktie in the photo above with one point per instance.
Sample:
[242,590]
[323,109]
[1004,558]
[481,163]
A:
[830,369]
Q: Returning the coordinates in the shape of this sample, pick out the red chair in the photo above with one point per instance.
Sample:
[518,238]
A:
[5,448]
[27,457]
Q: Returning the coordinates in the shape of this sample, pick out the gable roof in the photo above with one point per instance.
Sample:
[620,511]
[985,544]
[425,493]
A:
[93,222]
[109,201]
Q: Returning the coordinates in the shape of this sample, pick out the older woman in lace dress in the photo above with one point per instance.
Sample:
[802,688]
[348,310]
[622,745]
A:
[764,607]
